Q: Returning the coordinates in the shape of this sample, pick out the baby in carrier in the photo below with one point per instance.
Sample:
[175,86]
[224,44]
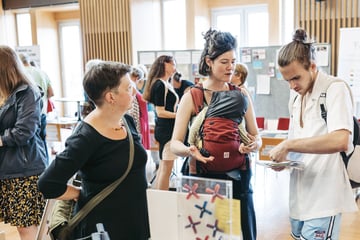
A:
[217,130]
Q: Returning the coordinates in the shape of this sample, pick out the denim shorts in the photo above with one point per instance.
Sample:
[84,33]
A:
[326,228]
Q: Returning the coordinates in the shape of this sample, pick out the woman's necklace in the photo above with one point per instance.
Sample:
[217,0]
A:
[118,128]
[121,126]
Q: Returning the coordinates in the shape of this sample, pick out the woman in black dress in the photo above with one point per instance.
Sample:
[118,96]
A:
[98,150]
[161,93]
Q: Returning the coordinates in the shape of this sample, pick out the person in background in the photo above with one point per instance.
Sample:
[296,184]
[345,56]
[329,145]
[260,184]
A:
[239,80]
[160,92]
[50,91]
[39,77]
[43,81]
[88,106]
[22,150]
[217,62]
[240,75]
[50,108]
[151,113]
[321,191]
[98,150]
[139,110]
[181,86]
[140,83]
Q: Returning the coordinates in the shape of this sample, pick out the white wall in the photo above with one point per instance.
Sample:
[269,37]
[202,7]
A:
[145,26]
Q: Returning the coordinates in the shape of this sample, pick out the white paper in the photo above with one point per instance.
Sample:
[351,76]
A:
[147,58]
[259,54]
[322,55]
[287,164]
[32,51]
[263,84]
[246,55]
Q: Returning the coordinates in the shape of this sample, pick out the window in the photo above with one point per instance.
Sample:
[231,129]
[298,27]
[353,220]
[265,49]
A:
[71,65]
[23,25]
[287,23]
[257,29]
[235,26]
[250,24]
[174,23]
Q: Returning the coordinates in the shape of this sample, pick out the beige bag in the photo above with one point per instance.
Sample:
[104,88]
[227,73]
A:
[61,215]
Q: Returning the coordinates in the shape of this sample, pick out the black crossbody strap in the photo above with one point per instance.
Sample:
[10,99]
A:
[106,191]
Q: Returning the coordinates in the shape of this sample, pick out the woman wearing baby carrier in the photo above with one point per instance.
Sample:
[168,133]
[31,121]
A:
[217,62]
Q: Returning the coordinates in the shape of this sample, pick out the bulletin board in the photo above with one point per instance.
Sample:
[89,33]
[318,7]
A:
[265,83]
[187,61]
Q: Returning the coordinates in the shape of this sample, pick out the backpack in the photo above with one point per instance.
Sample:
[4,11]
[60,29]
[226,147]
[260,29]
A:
[218,131]
[351,161]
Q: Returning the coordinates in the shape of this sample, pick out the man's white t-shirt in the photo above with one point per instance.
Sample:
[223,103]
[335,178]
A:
[322,189]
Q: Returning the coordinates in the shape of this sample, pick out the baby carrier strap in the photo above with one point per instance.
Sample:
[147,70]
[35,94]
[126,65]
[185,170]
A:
[197,94]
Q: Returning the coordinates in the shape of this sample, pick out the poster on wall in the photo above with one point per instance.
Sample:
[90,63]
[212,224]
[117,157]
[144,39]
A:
[349,61]
[245,55]
[322,55]
[32,51]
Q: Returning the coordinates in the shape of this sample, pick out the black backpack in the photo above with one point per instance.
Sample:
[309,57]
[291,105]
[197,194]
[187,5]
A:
[351,161]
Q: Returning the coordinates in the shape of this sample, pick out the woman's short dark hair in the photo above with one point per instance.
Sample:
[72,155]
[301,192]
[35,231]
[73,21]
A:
[301,49]
[103,77]
[216,43]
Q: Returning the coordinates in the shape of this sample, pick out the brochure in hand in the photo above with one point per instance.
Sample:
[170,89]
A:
[288,164]
[294,161]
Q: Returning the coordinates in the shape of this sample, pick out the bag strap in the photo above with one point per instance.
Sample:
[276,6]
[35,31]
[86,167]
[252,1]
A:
[168,87]
[165,92]
[197,94]
[106,191]
[322,101]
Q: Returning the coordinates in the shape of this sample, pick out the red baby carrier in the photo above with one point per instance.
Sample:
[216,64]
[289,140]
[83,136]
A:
[219,131]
